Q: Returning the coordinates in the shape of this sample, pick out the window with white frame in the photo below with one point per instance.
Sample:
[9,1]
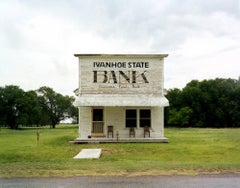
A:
[138,118]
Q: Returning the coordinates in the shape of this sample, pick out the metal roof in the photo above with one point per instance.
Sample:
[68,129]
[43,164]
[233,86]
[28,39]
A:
[121,100]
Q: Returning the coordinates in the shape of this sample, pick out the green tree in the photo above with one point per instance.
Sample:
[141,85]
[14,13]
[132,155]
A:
[174,96]
[11,105]
[214,103]
[234,112]
[31,109]
[194,98]
[55,105]
[175,100]
[181,117]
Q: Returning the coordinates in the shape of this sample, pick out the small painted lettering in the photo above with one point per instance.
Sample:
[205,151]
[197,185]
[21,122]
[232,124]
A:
[114,64]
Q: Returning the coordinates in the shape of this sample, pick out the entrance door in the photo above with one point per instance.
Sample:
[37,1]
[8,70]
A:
[97,123]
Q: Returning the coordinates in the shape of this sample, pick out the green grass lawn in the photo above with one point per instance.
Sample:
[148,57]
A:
[190,152]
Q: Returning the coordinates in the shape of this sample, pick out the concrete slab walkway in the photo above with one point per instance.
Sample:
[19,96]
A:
[89,154]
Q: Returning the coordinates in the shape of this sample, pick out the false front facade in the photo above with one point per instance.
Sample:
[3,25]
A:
[120,97]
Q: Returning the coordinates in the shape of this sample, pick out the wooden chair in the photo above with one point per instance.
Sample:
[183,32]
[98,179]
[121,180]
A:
[146,131]
[132,132]
[110,131]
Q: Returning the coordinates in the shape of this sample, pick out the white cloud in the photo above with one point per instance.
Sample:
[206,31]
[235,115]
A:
[38,39]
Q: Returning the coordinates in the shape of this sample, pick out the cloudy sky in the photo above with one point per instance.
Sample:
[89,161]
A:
[39,37]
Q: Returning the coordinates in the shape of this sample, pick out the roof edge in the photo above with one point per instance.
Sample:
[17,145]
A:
[118,55]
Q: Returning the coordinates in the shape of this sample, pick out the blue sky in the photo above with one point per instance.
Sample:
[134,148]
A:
[38,38]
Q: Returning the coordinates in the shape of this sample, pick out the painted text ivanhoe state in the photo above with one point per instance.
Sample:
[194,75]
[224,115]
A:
[130,64]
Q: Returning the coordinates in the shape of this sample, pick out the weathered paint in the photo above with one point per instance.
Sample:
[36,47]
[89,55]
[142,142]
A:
[116,116]
[145,78]
[115,83]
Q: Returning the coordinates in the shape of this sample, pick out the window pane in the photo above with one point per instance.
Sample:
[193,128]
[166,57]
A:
[145,114]
[97,114]
[131,113]
[131,123]
[145,122]
[145,118]
[131,118]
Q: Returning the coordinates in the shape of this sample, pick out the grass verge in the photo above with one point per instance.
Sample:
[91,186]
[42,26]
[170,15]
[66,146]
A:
[190,152]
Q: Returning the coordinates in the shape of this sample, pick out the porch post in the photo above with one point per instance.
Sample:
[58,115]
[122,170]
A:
[79,126]
[162,122]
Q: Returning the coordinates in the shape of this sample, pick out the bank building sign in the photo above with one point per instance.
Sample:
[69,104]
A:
[120,98]
[120,74]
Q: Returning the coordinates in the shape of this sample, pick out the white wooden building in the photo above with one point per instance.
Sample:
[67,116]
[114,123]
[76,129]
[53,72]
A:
[120,98]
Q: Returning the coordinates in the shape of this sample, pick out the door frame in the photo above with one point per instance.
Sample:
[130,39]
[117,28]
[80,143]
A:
[97,126]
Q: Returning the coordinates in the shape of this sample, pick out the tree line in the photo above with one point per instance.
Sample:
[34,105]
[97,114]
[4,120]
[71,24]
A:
[208,103]
[34,108]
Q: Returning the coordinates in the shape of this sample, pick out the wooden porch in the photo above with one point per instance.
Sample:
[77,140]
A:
[118,140]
